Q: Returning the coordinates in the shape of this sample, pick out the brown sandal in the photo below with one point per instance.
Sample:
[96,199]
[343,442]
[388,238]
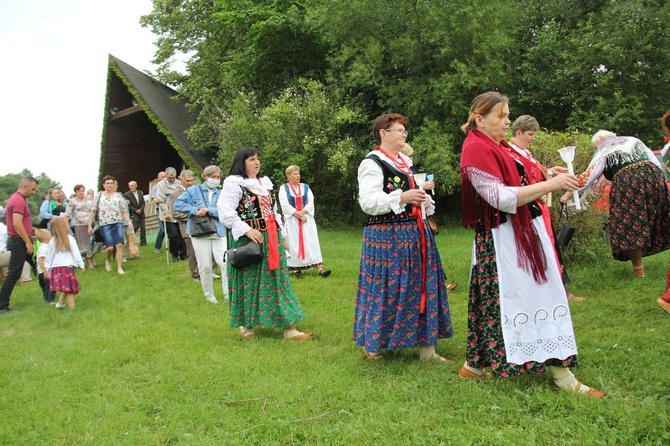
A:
[573,298]
[452,286]
[466,373]
[299,336]
[247,333]
[592,393]
[372,356]
[664,304]
[638,271]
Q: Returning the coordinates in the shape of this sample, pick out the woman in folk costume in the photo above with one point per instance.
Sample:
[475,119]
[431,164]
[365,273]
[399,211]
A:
[261,294]
[518,315]
[639,207]
[297,204]
[524,129]
[401,300]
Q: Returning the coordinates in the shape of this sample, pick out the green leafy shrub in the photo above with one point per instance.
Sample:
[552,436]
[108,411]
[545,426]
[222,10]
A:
[588,243]
[319,130]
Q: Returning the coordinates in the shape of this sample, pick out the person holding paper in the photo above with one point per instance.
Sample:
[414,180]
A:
[428,185]
[401,298]
[518,314]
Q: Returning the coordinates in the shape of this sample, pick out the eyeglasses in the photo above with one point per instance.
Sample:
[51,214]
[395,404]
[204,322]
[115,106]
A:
[403,131]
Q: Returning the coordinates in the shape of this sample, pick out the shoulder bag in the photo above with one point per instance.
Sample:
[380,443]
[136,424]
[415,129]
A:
[244,255]
[566,231]
[433,225]
[202,225]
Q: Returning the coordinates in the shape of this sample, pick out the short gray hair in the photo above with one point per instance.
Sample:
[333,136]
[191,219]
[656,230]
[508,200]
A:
[186,173]
[170,171]
[211,170]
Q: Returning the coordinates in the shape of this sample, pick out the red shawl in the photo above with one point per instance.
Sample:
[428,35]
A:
[483,153]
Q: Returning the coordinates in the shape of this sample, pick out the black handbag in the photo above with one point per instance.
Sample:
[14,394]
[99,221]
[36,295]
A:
[245,255]
[566,231]
[202,225]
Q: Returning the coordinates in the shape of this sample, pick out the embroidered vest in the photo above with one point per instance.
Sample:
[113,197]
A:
[291,198]
[250,210]
[618,164]
[393,180]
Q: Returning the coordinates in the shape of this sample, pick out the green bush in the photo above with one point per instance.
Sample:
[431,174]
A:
[588,243]
[308,126]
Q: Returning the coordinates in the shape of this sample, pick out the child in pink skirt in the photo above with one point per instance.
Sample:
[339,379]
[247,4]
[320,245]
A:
[63,257]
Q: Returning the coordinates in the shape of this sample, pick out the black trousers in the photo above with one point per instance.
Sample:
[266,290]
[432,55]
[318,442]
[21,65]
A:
[177,243]
[17,247]
[138,225]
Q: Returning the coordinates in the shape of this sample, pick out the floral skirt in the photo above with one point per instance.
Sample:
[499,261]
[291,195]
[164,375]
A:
[486,347]
[639,212]
[387,314]
[260,297]
[62,278]
[83,239]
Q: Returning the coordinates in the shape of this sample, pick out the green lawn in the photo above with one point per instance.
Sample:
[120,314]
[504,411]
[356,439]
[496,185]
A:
[145,360]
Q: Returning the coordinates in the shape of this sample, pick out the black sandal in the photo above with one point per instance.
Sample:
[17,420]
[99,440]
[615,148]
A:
[324,273]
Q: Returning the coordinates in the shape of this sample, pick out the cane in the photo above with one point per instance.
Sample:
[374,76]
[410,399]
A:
[166,239]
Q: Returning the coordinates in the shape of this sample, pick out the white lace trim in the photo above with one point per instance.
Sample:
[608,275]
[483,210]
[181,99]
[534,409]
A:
[394,201]
[493,190]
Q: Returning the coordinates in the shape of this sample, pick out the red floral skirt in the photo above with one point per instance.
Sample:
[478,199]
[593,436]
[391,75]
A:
[62,278]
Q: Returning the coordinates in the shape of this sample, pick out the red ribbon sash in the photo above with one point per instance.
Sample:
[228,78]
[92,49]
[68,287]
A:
[298,207]
[416,213]
[273,243]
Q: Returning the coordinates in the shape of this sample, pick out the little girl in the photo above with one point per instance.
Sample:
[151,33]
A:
[44,237]
[63,257]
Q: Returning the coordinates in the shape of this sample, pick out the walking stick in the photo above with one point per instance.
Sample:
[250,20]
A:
[166,239]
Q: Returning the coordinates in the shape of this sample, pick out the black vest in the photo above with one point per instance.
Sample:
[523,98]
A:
[393,180]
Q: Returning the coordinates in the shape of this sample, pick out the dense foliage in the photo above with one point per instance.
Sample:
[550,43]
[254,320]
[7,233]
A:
[251,65]
[10,182]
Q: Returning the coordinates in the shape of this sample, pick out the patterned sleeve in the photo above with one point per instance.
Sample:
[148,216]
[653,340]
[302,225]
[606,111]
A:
[493,190]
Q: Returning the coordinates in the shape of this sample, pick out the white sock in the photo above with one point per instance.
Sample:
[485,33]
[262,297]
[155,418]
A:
[290,332]
[565,380]
[426,352]
[474,370]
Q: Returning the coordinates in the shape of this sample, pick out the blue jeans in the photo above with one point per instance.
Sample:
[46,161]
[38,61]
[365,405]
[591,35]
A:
[112,235]
[161,235]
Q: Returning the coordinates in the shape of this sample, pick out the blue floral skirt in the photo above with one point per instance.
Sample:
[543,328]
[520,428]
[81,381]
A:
[388,298]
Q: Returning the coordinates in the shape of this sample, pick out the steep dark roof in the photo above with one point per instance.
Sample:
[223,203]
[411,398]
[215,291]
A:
[145,128]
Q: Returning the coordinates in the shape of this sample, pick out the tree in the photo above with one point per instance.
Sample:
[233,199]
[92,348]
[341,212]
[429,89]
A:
[576,65]
[601,67]
[9,184]
[306,125]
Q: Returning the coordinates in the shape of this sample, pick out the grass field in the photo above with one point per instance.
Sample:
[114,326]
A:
[145,360]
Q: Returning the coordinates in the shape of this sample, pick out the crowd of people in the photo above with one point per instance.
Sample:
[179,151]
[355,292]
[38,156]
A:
[260,237]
